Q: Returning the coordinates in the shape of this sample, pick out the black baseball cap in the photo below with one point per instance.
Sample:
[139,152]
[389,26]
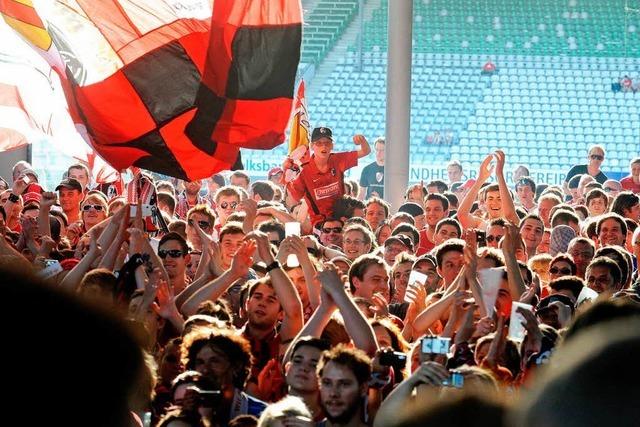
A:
[412,209]
[70,184]
[321,132]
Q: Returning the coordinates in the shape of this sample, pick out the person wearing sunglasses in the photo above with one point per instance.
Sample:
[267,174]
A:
[331,232]
[227,201]
[94,211]
[561,265]
[174,253]
[203,216]
[594,162]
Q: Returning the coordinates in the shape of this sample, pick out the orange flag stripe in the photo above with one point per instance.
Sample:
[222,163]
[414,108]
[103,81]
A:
[22,11]
[36,35]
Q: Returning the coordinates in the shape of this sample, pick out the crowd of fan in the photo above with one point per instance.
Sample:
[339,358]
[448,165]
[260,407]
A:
[232,331]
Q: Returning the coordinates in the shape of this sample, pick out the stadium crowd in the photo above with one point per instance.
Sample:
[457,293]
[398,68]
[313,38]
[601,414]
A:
[304,300]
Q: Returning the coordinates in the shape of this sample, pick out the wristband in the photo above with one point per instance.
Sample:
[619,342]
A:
[273,265]
[13,198]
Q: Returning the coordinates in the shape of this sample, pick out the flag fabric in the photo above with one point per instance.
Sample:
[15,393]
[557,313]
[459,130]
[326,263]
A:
[137,77]
[300,129]
[22,17]
[16,127]
[246,95]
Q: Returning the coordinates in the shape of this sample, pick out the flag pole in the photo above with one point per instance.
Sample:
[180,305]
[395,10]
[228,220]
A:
[398,101]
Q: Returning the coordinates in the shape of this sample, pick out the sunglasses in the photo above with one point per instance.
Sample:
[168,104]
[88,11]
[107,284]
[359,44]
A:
[173,253]
[332,229]
[608,189]
[98,208]
[202,224]
[563,271]
[492,238]
[225,205]
[597,157]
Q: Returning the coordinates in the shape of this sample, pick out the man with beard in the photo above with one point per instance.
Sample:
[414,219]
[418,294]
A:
[190,198]
[344,380]
[301,373]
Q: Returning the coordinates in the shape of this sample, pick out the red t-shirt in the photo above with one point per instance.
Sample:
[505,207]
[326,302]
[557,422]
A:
[322,189]
[425,244]
[628,184]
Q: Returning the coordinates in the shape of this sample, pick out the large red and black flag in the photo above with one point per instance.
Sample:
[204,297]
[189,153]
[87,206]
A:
[142,63]
[247,89]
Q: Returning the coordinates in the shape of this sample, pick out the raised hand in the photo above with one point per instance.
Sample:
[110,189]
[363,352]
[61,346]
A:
[331,281]
[250,206]
[243,258]
[48,199]
[19,186]
[47,244]
[512,239]
[430,373]
[94,248]
[359,139]
[215,257]
[136,240]
[465,332]
[530,323]
[205,238]
[484,327]
[500,160]
[262,245]
[380,305]
[486,168]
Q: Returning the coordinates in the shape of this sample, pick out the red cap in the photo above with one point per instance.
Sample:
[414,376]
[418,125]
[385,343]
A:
[274,171]
[32,194]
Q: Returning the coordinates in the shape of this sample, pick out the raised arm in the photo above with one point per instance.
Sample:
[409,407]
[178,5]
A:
[48,199]
[355,322]
[242,260]
[435,311]
[464,209]
[284,289]
[317,322]
[72,280]
[508,207]
[364,149]
[511,242]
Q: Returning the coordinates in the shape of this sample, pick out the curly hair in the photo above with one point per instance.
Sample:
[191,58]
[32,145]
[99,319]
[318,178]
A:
[233,346]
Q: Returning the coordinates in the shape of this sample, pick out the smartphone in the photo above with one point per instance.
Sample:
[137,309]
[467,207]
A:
[393,358]
[435,345]
[133,209]
[292,229]
[516,323]
[416,278]
[456,379]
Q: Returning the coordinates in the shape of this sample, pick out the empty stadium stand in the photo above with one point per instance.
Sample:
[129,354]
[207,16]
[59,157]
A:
[550,98]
